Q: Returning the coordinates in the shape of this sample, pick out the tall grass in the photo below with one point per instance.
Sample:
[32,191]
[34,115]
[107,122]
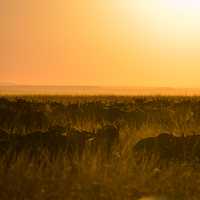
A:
[93,177]
[120,177]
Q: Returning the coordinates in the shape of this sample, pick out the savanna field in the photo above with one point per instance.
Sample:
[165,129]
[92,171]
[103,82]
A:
[99,148]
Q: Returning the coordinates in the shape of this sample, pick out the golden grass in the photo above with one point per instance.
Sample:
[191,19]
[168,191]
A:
[93,177]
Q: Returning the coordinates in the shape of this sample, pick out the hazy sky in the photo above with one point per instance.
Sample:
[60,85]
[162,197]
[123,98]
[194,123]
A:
[100,42]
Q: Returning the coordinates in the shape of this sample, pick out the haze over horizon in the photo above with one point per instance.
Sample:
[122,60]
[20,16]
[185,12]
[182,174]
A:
[14,84]
[99,42]
[15,89]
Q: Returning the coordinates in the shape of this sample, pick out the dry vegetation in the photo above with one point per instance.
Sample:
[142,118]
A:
[94,177]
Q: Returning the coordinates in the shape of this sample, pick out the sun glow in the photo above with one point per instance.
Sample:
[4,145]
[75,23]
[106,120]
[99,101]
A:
[166,19]
[177,21]
[101,42]
[187,5]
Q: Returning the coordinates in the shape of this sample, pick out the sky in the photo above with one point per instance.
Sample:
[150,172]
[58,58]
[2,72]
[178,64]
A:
[100,42]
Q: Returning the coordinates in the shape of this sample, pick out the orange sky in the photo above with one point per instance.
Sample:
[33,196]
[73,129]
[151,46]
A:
[100,42]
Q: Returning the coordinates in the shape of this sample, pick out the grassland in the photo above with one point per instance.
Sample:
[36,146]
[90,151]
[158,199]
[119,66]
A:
[118,177]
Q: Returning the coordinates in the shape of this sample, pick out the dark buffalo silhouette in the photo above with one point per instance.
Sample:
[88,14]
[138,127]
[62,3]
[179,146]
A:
[106,138]
[58,141]
[53,143]
[167,147]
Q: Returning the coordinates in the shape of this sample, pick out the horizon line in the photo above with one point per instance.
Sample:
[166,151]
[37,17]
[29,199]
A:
[95,86]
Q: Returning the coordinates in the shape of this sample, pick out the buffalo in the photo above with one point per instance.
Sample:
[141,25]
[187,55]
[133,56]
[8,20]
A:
[54,143]
[167,147]
[59,141]
[106,138]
